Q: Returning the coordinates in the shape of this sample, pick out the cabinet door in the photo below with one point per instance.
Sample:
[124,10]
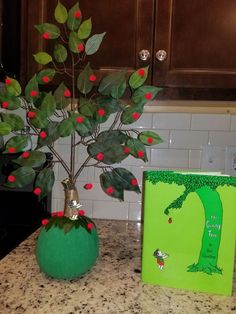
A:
[199,39]
[128,25]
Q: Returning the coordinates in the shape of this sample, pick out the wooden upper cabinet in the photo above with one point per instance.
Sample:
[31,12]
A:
[198,37]
[193,39]
[128,25]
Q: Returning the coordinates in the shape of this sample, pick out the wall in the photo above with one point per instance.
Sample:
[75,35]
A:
[183,135]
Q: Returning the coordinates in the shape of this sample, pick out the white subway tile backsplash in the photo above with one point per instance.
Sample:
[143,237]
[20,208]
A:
[59,205]
[144,122]
[233,123]
[64,140]
[169,158]
[60,172]
[138,172]
[110,210]
[210,122]
[194,158]
[58,191]
[95,194]
[131,196]
[224,139]
[107,124]
[54,205]
[135,211]
[188,139]
[87,206]
[64,152]
[87,174]
[213,158]
[183,133]
[176,121]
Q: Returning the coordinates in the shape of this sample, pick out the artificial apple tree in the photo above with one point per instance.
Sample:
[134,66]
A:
[76,108]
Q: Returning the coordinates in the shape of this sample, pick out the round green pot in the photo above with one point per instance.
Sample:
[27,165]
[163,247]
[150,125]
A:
[66,255]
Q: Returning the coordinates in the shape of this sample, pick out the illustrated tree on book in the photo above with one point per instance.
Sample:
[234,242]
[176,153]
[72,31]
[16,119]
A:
[206,189]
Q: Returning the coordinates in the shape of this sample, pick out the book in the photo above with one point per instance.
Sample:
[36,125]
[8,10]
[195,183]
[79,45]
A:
[189,231]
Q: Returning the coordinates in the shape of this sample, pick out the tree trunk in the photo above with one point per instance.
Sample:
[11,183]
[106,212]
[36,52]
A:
[208,257]
[71,194]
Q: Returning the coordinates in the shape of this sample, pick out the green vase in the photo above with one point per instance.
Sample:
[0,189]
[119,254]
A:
[66,255]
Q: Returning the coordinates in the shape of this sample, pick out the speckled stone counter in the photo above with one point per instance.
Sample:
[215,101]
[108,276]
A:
[112,286]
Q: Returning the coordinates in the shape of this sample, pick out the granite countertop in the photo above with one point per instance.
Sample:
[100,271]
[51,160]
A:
[112,286]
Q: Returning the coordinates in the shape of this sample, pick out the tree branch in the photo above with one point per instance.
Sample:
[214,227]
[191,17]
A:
[81,168]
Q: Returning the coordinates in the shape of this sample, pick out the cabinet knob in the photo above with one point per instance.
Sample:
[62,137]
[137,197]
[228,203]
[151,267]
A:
[144,55]
[161,55]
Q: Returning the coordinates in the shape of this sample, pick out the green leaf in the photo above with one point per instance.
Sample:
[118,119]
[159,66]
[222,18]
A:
[5,128]
[110,144]
[150,138]
[52,135]
[60,53]
[19,142]
[12,102]
[39,100]
[36,159]
[74,41]
[137,147]
[48,106]
[66,127]
[51,29]
[107,182]
[13,88]
[113,105]
[131,114]
[93,43]
[126,179]
[61,101]
[16,122]
[60,13]
[119,179]
[84,128]
[85,29]
[145,93]
[87,107]
[105,110]
[84,85]
[112,135]
[73,23]
[44,75]
[42,58]
[68,226]
[45,181]
[40,120]
[113,85]
[32,87]
[138,77]
[23,176]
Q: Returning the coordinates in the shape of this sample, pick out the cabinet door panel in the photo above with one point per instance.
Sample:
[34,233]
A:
[128,26]
[199,38]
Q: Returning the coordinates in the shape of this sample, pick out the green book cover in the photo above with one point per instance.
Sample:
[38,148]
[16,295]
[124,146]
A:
[189,231]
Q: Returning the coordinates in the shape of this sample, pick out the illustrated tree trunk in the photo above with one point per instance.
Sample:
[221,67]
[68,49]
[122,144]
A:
[208,257]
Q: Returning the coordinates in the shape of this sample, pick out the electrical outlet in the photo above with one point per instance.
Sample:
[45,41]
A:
[230,160]
[212,157]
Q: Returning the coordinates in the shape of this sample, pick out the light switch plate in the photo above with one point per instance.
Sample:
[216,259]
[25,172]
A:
[212,157]
[230,160]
